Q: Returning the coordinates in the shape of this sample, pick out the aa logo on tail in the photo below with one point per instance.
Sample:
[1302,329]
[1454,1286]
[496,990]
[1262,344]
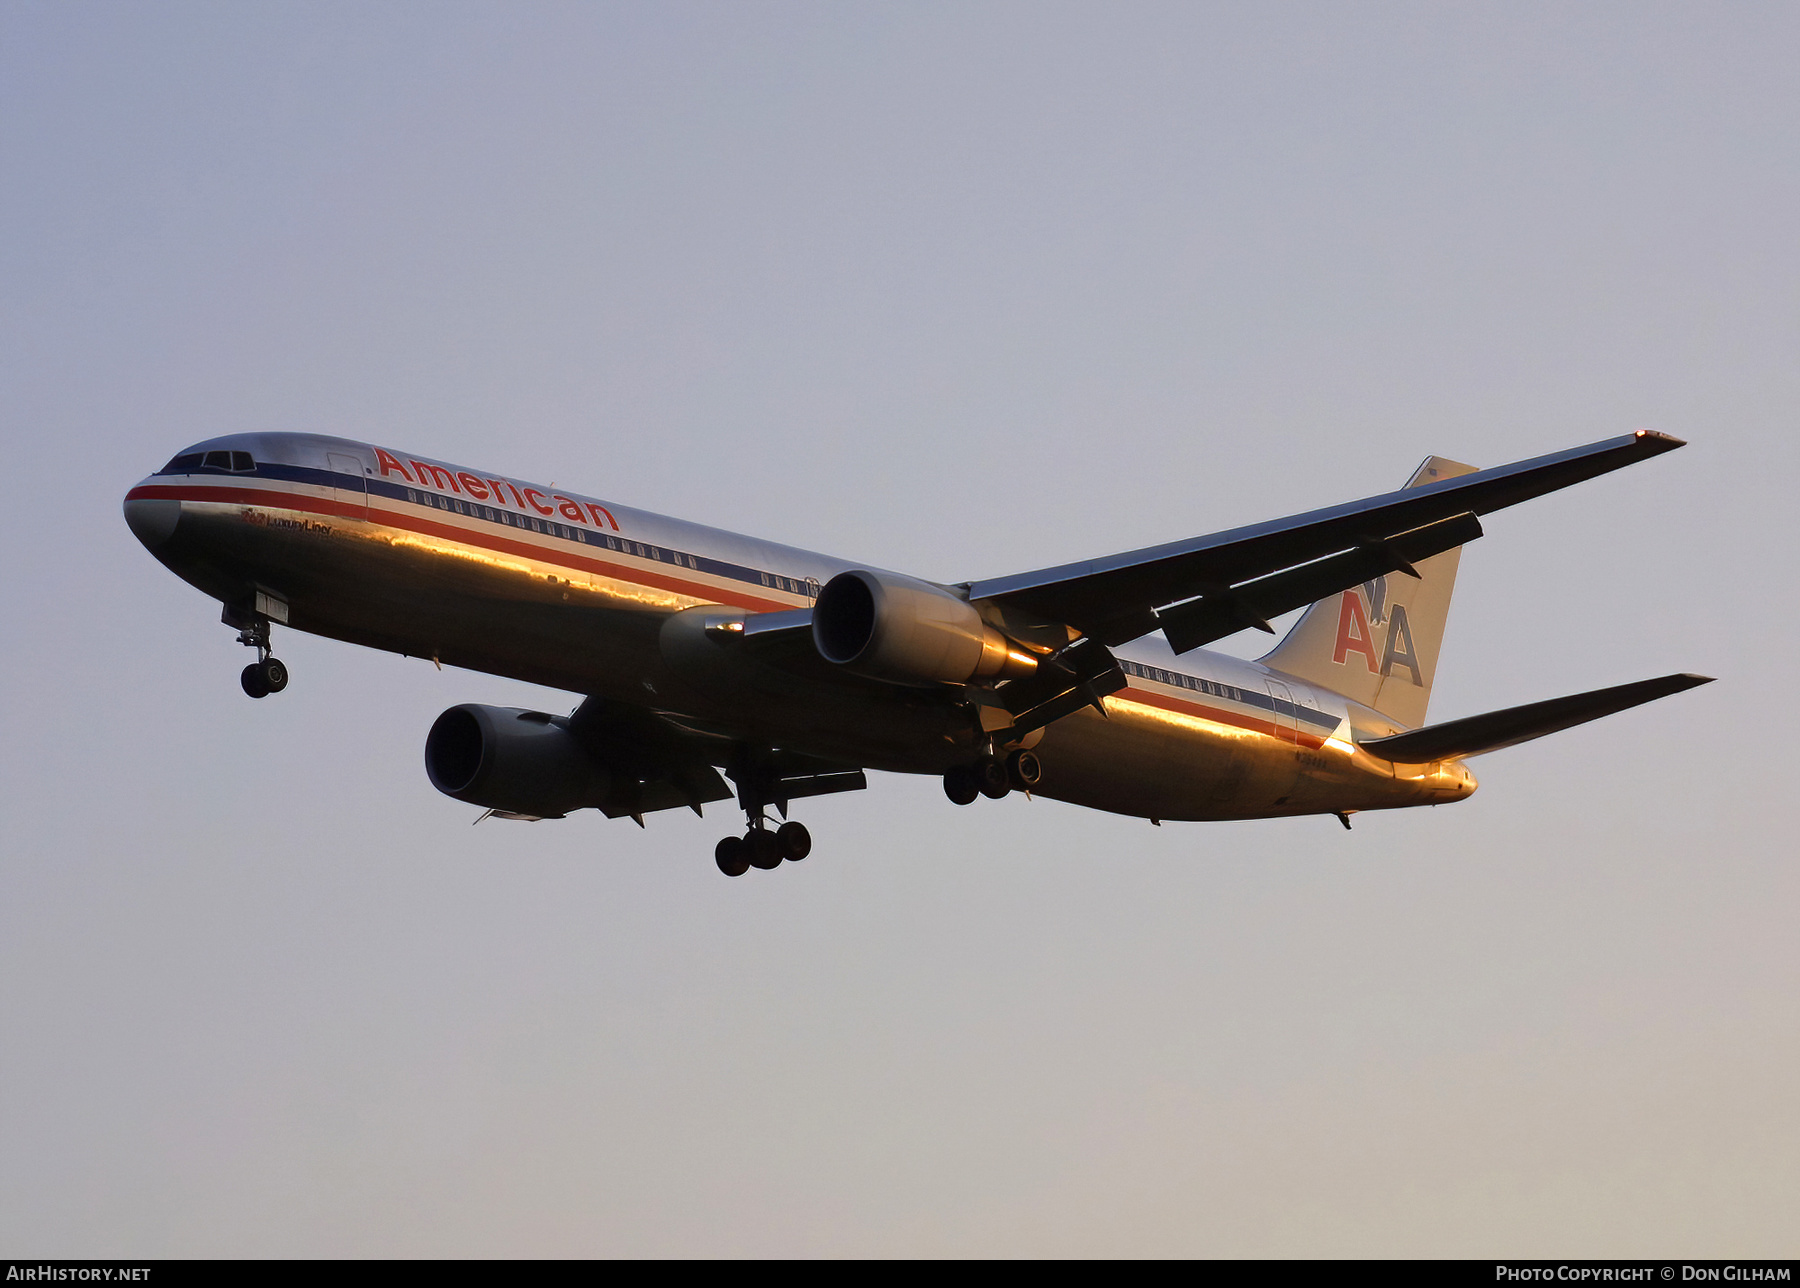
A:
[1357,626]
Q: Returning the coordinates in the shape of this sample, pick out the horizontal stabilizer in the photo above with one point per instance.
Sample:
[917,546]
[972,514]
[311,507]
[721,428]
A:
[1490,732]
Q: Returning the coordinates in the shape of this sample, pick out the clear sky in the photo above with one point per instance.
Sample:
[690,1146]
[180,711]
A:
[960,289]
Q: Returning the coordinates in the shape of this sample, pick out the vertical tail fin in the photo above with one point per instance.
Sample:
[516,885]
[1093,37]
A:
[1378,644]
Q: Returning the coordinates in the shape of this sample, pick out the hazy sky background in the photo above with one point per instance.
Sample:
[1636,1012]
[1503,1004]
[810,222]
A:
[962,290]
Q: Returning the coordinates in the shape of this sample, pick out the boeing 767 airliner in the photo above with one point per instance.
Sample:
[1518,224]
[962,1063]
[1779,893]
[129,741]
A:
[697,651]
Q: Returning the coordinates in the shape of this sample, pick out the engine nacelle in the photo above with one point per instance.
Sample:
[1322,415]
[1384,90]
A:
[516,761]
[895,628]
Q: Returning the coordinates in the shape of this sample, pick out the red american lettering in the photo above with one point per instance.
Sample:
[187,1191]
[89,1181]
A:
[438,477]
[492,489]
[1353,634]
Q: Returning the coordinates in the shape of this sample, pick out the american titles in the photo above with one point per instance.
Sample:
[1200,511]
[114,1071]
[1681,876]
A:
[424,474]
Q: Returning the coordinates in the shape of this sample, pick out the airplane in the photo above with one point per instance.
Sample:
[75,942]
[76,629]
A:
[703,656]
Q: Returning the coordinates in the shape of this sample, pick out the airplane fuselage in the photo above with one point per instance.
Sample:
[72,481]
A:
[478,570]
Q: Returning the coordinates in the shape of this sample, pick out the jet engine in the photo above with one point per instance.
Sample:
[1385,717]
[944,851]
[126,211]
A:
[894,628]
[514,761]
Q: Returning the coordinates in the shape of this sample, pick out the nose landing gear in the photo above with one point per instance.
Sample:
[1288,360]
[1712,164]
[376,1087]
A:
[268,674]
[260,679]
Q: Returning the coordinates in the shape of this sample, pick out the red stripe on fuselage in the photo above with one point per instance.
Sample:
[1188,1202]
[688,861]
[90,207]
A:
[264,498]
[1220,716]
[247,496]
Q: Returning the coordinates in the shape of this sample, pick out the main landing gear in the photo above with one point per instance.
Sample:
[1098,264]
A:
[993,777]
[761,848]
[268,674]
[767,777]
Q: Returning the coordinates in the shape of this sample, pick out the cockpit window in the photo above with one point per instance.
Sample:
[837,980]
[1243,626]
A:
[188,462]
[236,462]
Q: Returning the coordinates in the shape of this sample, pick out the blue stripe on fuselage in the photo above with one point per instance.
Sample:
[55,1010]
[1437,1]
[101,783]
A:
[1230,692]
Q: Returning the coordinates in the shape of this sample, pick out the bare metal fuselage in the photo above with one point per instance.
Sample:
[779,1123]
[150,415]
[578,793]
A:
[491,574]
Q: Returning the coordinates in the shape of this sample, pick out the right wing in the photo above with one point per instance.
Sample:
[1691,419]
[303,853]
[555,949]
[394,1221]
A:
[1118,598]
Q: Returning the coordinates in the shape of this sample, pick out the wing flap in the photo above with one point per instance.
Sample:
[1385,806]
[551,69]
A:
[1474,735]
[656,766]
[1211,617]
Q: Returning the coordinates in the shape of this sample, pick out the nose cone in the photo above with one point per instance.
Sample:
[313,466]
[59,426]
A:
[152,521]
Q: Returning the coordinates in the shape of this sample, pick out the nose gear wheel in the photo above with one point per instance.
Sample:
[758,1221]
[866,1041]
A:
[268,674]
